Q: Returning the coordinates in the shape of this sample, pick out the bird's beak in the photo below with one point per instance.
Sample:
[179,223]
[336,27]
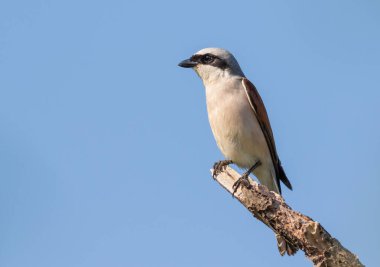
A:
[187,63]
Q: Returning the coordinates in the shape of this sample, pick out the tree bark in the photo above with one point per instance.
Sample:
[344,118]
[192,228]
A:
[299,230]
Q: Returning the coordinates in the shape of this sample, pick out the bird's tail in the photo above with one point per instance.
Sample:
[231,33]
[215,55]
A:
[285,246]
[283,178]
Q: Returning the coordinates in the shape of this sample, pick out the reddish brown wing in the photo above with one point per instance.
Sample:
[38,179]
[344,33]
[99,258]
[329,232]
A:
[262,117]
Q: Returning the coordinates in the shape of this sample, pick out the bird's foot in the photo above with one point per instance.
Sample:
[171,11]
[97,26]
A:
[220,166]
[243,180]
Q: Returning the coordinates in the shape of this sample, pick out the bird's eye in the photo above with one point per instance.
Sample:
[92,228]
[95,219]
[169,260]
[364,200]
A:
[207,59]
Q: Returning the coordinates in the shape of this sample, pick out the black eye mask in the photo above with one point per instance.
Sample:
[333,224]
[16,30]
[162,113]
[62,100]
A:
[209,59]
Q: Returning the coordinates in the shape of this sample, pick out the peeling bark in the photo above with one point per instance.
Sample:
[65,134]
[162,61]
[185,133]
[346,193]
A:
[297,229]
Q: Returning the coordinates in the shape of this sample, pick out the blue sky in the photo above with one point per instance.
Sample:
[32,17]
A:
[105,147]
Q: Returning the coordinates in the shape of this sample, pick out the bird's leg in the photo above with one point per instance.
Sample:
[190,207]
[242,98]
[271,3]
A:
[219,166]
[243,180]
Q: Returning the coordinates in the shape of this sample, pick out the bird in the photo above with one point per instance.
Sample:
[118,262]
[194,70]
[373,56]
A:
[239,122]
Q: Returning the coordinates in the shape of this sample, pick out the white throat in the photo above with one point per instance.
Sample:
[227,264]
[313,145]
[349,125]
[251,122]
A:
[212,76]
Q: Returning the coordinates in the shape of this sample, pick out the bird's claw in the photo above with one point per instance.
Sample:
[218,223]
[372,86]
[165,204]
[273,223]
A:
[220,166]
[242,181]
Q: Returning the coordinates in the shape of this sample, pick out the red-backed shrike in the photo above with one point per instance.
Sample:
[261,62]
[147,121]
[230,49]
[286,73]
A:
[238,119]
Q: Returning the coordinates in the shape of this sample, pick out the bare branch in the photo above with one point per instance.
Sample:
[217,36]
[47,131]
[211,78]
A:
[297,229]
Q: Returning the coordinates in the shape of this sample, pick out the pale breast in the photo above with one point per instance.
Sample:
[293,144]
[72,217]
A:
[234,125]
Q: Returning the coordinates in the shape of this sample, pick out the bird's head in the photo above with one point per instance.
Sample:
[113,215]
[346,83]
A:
[212,64]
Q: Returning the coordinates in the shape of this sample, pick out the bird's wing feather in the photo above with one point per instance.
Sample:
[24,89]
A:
[262,117]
